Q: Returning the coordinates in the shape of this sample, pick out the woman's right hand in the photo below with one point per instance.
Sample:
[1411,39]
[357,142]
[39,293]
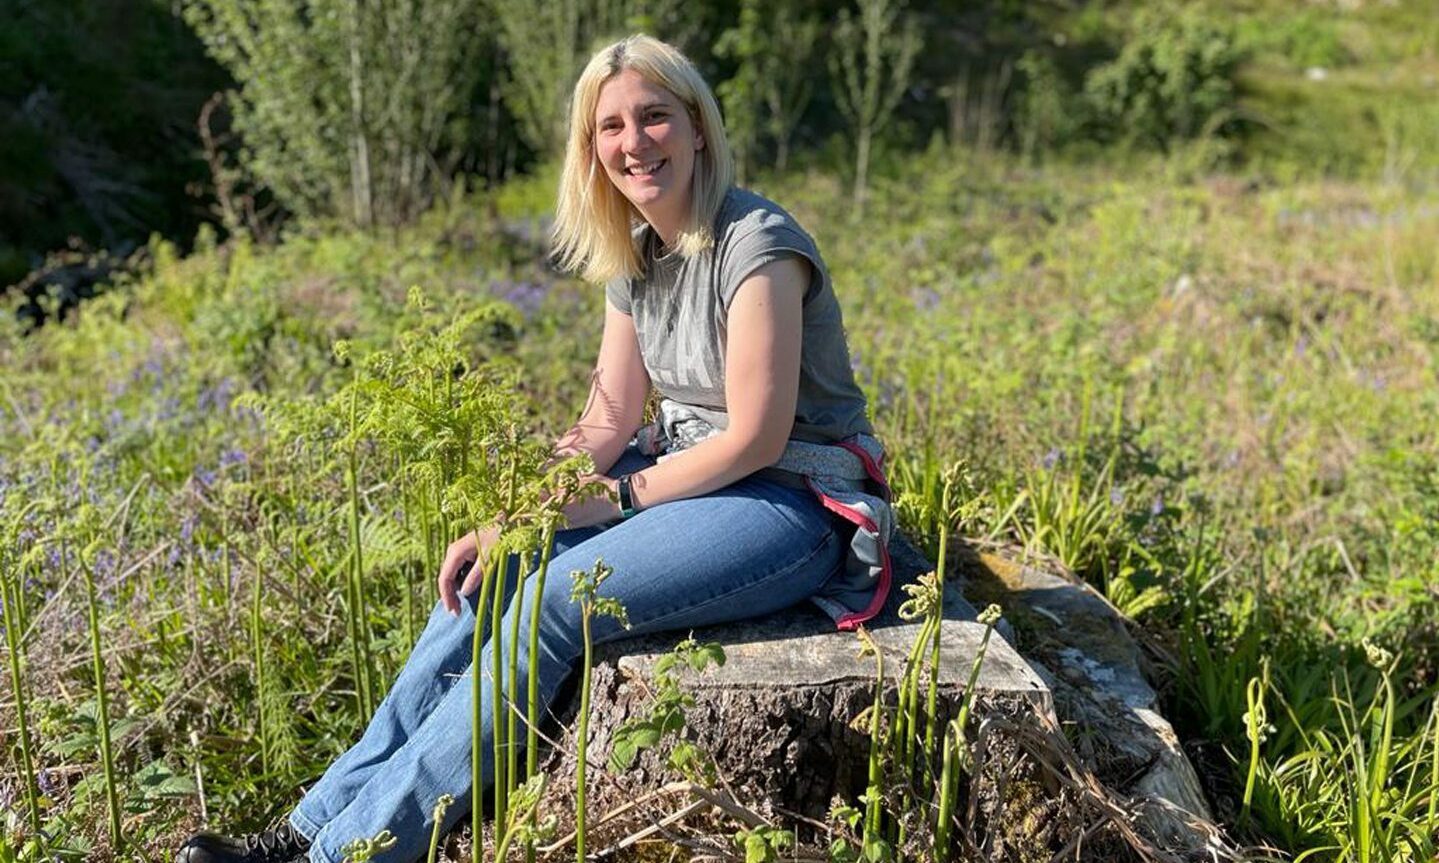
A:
[472,548]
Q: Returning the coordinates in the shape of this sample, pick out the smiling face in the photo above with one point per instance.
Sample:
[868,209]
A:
[646,142]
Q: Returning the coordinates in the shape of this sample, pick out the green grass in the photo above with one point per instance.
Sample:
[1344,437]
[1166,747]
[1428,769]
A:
[1211,397]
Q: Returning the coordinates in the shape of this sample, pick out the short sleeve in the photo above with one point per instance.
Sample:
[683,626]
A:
[617,291]
[753,245]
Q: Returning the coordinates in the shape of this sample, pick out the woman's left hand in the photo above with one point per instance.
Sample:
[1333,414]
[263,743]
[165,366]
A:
[597,508]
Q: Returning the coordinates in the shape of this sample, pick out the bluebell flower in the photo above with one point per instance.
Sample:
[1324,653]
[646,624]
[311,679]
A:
[1052,459]
[232,457]
[216,397]
[46,781]
[187,529]
[206,476]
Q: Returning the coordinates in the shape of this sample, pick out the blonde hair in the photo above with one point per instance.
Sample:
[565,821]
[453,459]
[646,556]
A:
[594,221]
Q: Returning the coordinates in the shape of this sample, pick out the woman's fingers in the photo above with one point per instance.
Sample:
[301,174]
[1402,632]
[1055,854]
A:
[460,552]
[473,577]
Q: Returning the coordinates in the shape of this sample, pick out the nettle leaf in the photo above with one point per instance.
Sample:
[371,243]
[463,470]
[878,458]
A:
[668,719]
[74,744]
[647,734]
[123,726]
[622,754]
[629,740]
[876,850]
[703,657]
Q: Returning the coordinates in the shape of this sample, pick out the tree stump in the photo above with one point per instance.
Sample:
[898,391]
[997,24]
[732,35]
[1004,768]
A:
[779,721]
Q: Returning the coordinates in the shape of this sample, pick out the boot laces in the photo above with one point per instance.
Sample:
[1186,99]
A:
[280,845]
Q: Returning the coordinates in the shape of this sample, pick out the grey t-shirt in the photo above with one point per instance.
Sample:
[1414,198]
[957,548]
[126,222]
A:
[680,306]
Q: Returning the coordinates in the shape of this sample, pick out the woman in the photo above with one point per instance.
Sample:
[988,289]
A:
[720,301]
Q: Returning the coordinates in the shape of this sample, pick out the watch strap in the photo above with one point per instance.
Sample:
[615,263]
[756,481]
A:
[627,498]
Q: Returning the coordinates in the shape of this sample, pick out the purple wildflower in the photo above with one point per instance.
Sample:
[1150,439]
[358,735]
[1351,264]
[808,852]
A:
[1116,495]
[1157,508]
[187,530]
[1052,459]
[46,780]
[525,296]
[216,398]
[927,300]
[232,457]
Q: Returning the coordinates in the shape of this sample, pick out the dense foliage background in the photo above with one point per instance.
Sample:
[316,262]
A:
[100,103]
[1163,279]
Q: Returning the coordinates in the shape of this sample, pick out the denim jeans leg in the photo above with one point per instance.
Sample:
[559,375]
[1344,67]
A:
[744,551]
[439,657]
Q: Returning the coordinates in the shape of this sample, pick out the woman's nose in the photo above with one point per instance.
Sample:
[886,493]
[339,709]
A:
[636,138]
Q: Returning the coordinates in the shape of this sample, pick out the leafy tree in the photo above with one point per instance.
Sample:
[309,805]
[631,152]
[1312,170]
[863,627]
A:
[740,94]
[871,66]
[547,43]
[347,107]
[787,85]
[771,86]
[1048,113]
[1174,79]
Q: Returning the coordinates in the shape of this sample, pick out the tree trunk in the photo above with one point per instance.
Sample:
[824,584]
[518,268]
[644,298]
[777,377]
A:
[861,172]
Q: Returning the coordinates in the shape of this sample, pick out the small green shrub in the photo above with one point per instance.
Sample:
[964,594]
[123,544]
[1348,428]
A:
[1174,79]
[1048,113]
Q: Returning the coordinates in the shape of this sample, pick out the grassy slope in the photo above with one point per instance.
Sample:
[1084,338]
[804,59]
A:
[1270,349]
[1271,353]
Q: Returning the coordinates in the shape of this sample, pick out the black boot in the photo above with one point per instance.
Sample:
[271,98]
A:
[281,845]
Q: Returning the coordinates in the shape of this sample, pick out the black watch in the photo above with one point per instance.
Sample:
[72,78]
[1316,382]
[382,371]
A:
[627,498]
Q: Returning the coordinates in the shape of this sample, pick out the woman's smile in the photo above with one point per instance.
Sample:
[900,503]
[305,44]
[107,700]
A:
[646,170]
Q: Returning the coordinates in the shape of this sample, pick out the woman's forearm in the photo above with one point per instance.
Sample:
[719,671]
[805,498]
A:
[705,467]
[604,444]
[712,464]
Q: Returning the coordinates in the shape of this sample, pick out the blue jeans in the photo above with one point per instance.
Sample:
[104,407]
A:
[746,550]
